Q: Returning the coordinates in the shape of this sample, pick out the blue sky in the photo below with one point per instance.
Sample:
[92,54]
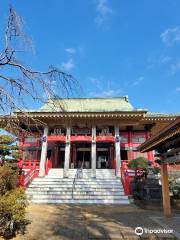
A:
[113,47]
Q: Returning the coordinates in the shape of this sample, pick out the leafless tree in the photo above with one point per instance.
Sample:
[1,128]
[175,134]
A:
[18,81]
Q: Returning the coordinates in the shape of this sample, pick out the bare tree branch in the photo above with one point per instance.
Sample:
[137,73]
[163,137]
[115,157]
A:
[22,81]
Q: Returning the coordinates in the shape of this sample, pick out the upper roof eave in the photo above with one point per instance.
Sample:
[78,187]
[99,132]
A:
[167,132]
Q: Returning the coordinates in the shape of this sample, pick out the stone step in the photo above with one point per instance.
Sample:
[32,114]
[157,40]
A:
[76,189]
[84,177]
[56,197]
[88,173]
[61,172]
[84,174]
[79,180]
[110,186]
[61,181]
[53,188]
[81,201]
[84,169]
[117,193]
[99,181]
[71,177]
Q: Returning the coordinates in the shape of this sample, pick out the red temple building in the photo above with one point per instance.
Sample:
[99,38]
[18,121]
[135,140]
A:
[98,135]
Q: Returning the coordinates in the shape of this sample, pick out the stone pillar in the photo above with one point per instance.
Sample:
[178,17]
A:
[130,143]
[93,152]
[67,152]
[43,153]
[117,151]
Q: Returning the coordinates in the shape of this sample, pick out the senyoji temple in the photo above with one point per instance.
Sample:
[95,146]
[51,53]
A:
[88,133]
[96,132]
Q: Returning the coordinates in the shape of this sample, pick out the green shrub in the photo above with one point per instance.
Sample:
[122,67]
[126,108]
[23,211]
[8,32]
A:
[8,177]
[139,162]
[12,212]
[156,170]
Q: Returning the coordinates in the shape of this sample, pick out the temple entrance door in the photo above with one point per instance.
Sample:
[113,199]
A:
[61,159]
[83,158]
[104,156]
[59,156]
[81,155]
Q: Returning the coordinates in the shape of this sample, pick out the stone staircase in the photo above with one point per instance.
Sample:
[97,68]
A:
[53,188]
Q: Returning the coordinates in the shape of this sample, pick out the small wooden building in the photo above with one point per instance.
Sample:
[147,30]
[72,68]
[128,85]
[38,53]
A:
[167,145]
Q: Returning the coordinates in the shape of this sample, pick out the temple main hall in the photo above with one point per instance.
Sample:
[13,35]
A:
[88,133]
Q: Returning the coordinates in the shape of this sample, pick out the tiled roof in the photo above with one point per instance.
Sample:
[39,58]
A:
[118,104]
[155,114]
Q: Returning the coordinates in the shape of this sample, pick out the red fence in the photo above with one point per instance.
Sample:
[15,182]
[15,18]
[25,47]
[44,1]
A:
[27,171]
[48,166]
[127,175]
[26,177]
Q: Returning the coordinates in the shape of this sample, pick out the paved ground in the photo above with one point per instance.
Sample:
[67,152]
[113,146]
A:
[90,222]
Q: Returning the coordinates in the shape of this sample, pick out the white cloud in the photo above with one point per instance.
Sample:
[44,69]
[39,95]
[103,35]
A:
[178,89]
[69,65]
[175,67]
[93,79]
[165,59]
[104,11]
[138,81]
[101,90]
[171,35]
[107,93]
[70,50]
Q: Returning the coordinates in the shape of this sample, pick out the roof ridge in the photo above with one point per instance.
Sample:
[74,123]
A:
[79,98]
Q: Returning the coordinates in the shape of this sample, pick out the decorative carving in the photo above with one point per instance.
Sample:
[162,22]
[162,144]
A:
[44,139]
[117,138]
[105,132]
[58,131]
[81,131]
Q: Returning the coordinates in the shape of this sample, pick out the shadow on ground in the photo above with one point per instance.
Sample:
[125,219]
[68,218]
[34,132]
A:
[83,222]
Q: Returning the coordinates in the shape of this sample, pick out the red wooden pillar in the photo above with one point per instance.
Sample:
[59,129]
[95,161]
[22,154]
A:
[150,154]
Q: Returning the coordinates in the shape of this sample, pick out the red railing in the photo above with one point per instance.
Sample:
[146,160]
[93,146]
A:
[174,167]
[28,164]
[105,139]
[28,170]
[127,175]
[26,176]
[48,166]
[54,138]
[81,139]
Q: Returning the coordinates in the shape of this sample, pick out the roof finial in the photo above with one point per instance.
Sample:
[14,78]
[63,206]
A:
[126,98]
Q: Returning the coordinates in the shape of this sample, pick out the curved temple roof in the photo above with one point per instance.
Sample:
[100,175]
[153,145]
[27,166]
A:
[162,136]
[118,104]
